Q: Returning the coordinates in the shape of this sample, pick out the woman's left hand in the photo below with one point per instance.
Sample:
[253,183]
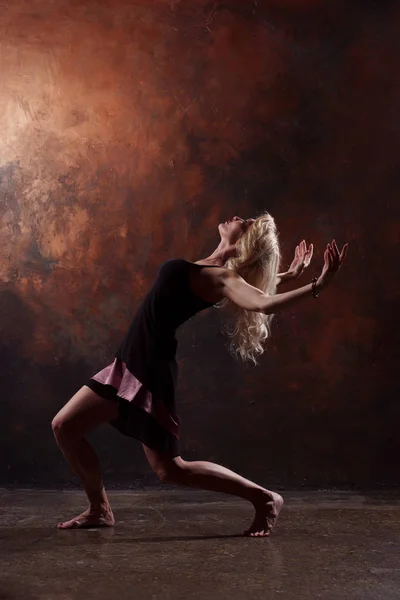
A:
[302,258]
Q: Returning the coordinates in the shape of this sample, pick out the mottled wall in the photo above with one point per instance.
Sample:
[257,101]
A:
[128,130]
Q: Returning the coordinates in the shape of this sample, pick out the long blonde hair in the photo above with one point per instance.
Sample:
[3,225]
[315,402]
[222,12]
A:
[257,261]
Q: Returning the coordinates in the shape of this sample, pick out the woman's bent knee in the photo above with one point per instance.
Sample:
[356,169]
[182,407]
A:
[168,473]
[172,470]
[62,428]
[166,468]
[56,425]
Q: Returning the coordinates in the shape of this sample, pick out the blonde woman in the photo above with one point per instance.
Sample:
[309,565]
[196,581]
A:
[136,392]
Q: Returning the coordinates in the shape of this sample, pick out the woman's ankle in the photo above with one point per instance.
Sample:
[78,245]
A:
[261,496]
[99,507]
[98,500]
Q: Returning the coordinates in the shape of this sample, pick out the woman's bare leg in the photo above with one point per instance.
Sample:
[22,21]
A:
[82,413]
[210,476]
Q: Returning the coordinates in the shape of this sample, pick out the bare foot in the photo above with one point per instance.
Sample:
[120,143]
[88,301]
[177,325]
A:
[267,512]
[102,517]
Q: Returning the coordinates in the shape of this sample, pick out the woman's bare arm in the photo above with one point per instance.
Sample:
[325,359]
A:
[251,298]
[284,278]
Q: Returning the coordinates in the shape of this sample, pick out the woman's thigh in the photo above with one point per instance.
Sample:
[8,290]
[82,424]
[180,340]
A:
[84,411]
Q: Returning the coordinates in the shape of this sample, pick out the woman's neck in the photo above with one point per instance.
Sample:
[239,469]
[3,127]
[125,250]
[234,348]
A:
[220,255]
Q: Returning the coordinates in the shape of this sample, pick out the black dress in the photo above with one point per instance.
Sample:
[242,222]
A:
[143,375]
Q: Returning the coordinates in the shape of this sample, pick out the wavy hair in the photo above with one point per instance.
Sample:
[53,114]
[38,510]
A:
[257,261]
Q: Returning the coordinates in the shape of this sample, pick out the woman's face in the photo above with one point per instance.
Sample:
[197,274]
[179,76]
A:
[233,229]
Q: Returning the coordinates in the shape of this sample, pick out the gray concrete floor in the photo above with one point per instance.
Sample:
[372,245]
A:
[183,543]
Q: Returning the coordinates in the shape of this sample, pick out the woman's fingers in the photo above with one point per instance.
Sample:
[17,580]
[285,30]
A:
[340,256]
[333,261]
[306,252]
[335,248]
[303,254]
[327,257]
[334,258]
[331,256]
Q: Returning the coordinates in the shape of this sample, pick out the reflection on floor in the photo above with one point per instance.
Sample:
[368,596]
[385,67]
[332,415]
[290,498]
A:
[179,543]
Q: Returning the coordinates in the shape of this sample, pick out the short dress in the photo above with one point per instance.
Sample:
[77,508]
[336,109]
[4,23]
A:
[143,376]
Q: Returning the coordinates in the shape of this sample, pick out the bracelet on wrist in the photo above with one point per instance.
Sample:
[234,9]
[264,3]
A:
[314,287]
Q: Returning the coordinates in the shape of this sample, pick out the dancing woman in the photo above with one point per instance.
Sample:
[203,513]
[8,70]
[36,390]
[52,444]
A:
[136,392]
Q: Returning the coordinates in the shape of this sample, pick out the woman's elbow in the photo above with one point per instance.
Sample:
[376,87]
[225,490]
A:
[265,305]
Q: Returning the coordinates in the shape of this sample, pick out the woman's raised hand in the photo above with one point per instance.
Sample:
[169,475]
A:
[333,260]
[302,259]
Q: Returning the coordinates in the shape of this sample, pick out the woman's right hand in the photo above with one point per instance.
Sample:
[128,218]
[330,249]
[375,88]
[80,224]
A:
[333,260]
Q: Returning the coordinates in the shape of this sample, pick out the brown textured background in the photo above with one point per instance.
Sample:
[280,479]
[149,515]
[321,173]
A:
[128,130]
